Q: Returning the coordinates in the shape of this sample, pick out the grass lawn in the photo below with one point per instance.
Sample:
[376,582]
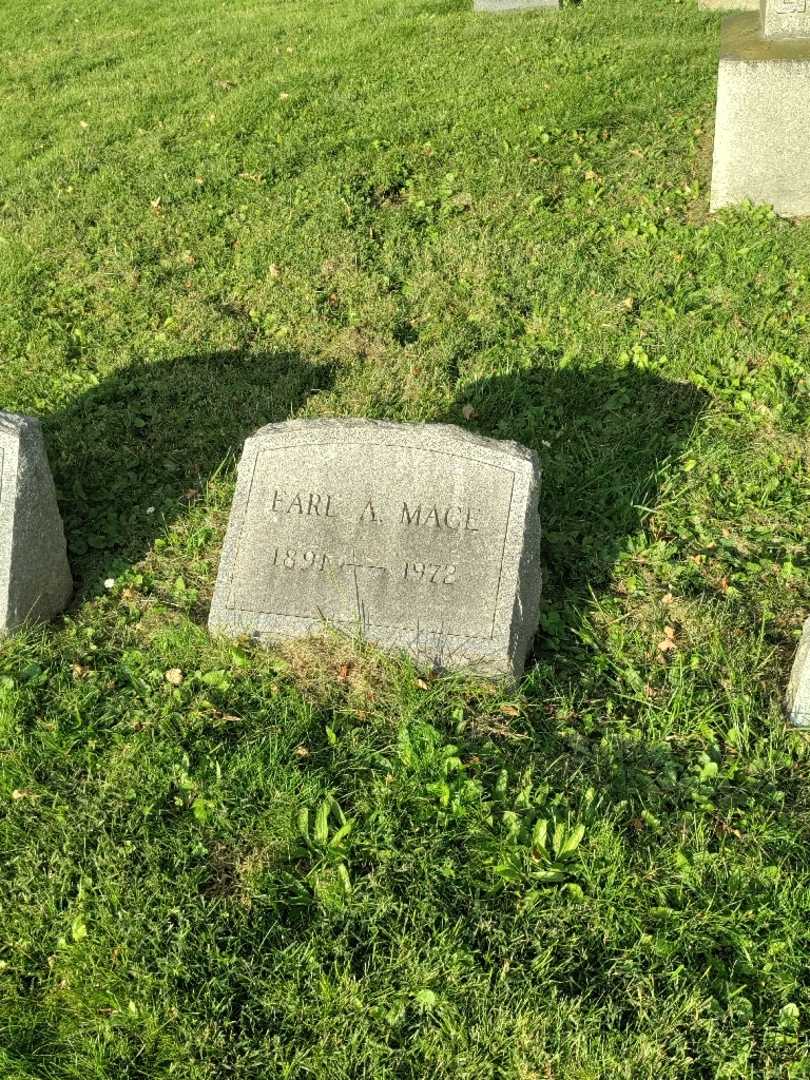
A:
[218,861]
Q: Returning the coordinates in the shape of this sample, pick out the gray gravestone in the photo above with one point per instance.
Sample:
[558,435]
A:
[419,537]
[798,695]
[515,5]
[35,580]
[762,125]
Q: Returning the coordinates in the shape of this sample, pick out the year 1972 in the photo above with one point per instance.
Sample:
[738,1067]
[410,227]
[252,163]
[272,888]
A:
[432,573]
[419,573]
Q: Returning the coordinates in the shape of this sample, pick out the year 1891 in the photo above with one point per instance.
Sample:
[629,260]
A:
[300,560]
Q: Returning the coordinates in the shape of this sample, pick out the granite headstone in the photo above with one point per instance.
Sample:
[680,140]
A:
[35,581]
[423,538]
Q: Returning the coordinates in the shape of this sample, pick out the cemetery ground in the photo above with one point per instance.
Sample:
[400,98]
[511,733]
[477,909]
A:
[224,861]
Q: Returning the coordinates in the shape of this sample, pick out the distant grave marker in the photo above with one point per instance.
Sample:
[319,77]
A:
[420,537]
[762,126]
[35,581]
[515,5]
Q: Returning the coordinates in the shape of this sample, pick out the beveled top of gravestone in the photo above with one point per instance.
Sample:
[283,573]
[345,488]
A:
[742,40]
[420,537]
[785,18]
[35,581]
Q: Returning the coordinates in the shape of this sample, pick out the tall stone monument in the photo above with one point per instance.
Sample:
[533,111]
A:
[762,127]
[422,538]
[35,581]
[515,5]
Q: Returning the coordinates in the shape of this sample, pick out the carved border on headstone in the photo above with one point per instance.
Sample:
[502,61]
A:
[372,624]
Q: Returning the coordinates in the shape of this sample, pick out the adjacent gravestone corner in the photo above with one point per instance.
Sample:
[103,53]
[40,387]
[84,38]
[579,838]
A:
[762,125]
[35,580]
[798,694]
[420,537]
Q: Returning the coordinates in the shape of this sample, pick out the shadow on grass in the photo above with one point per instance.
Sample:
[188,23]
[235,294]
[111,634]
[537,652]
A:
[602,435]
[129,455]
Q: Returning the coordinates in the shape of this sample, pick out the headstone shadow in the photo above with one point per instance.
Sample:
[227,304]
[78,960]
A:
[602,435]
[129,454]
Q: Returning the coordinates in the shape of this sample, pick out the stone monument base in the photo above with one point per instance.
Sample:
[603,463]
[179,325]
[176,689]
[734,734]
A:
[762,127]
[515,5]
[728,5]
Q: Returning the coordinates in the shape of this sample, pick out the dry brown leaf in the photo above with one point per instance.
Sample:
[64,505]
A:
[726,829]
[344,671]
[509,710]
